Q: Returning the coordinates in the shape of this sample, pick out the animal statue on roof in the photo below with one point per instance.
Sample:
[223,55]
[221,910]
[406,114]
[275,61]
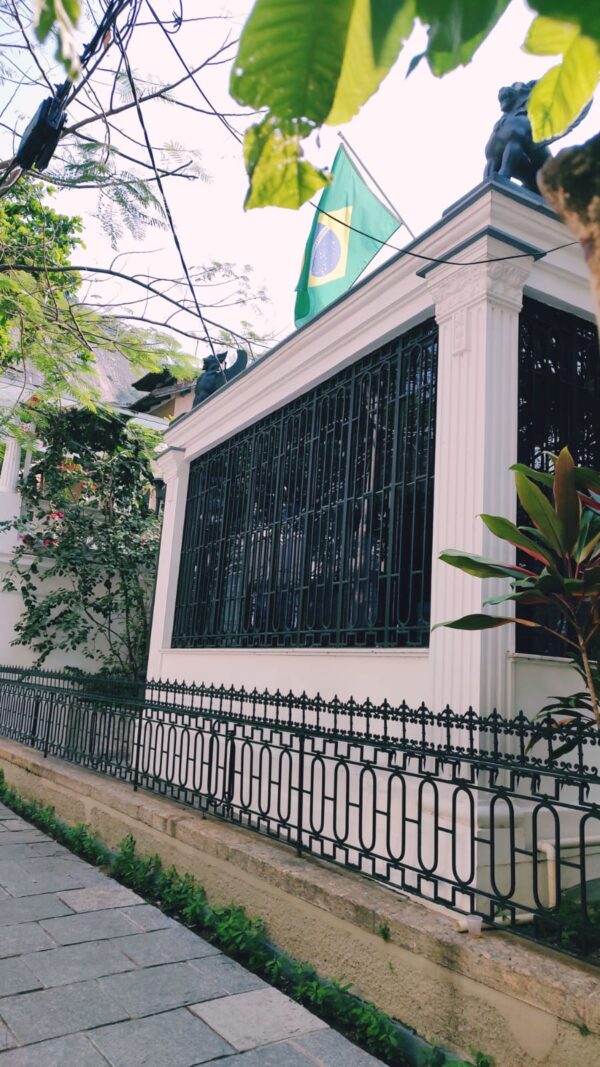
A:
[215,374]
[511,151]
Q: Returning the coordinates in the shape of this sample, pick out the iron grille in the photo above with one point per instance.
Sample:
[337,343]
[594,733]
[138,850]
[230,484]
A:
[559,404]
[312,528]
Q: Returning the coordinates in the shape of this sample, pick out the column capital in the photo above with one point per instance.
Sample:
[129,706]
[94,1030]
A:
[169,464]
[454,287]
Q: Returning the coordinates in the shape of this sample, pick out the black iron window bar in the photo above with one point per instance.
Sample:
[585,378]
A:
[312,528]
[559,404]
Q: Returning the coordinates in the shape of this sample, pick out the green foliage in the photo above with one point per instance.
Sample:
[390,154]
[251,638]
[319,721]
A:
[230,929]
[310,63]
[564,90]
[384,931]
[41,324]
[60,17]
[88,540]
[562,572]
[568,928]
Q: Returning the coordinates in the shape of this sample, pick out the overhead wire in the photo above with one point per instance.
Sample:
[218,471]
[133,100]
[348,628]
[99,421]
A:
[535,254]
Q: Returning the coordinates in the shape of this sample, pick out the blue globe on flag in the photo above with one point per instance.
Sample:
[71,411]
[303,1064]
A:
[326,252]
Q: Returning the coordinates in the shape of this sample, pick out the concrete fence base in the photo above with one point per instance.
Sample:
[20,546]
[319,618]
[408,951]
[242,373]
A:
[522,1005]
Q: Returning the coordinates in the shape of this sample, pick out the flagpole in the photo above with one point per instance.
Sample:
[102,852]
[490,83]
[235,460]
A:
[375,183]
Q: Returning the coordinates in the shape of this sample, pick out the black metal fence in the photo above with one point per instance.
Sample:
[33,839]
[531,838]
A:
[495,816]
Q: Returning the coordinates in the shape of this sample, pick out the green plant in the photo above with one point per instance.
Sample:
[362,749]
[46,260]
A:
[320,63]
[562,573]
[384,931]
[229,928]
[88,539]
[41,322]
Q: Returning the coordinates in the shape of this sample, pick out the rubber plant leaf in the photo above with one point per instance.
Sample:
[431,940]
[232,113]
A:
[482,568]
[508,531]
[541,512]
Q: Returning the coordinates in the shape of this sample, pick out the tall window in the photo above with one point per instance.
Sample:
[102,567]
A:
[313,526]
[559,404]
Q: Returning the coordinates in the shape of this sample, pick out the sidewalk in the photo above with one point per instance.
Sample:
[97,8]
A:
[90,975]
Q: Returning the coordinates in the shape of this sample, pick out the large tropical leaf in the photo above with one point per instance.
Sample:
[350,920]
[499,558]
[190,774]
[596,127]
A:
[586,13]
[479,621]
[481,567]
[508,531]
[541,512]
[566,498]
[456,29]
[378,29]
[278,174]
[543,477]
[291,55]
[563,91]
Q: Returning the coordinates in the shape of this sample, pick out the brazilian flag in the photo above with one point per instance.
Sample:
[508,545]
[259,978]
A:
[335,254]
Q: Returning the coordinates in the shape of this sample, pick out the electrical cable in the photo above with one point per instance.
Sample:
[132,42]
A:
[433,259]
[163,194]
[169,36]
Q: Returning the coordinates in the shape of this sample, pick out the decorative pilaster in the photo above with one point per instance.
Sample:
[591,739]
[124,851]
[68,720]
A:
[173,468]
[477,310]
[11,464]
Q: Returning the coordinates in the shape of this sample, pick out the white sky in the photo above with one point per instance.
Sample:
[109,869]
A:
[423,139]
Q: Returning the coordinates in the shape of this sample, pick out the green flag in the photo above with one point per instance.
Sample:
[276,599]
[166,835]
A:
[335,253]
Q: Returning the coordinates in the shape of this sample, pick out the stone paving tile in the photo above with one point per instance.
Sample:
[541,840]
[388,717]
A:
[24,937]
[170,985]
[76,963]
[30,909]
[127,986]
[20,882]
[56,1012]
[15,977]
[257,1018]
[14,822]
[21,837]
[72,1051]
[99,898]
[6,1038]
[165,946]
[327,1046]
[89,926]
[176,1038]
[226,976]
[148,918]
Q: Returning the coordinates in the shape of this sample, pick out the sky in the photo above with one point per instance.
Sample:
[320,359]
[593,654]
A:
[423,139]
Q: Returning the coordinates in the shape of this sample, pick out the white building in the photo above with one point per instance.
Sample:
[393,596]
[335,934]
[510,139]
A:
[307,501]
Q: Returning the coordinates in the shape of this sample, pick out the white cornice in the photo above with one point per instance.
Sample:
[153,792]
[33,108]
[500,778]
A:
[388,303]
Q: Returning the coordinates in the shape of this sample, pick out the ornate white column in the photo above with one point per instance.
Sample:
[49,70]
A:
[173,468]
[477,309]
[9,475]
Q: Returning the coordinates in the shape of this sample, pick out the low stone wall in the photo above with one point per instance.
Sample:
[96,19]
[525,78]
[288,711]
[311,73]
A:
[522,1005]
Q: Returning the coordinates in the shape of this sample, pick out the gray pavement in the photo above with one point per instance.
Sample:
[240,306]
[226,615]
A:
[90,975]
